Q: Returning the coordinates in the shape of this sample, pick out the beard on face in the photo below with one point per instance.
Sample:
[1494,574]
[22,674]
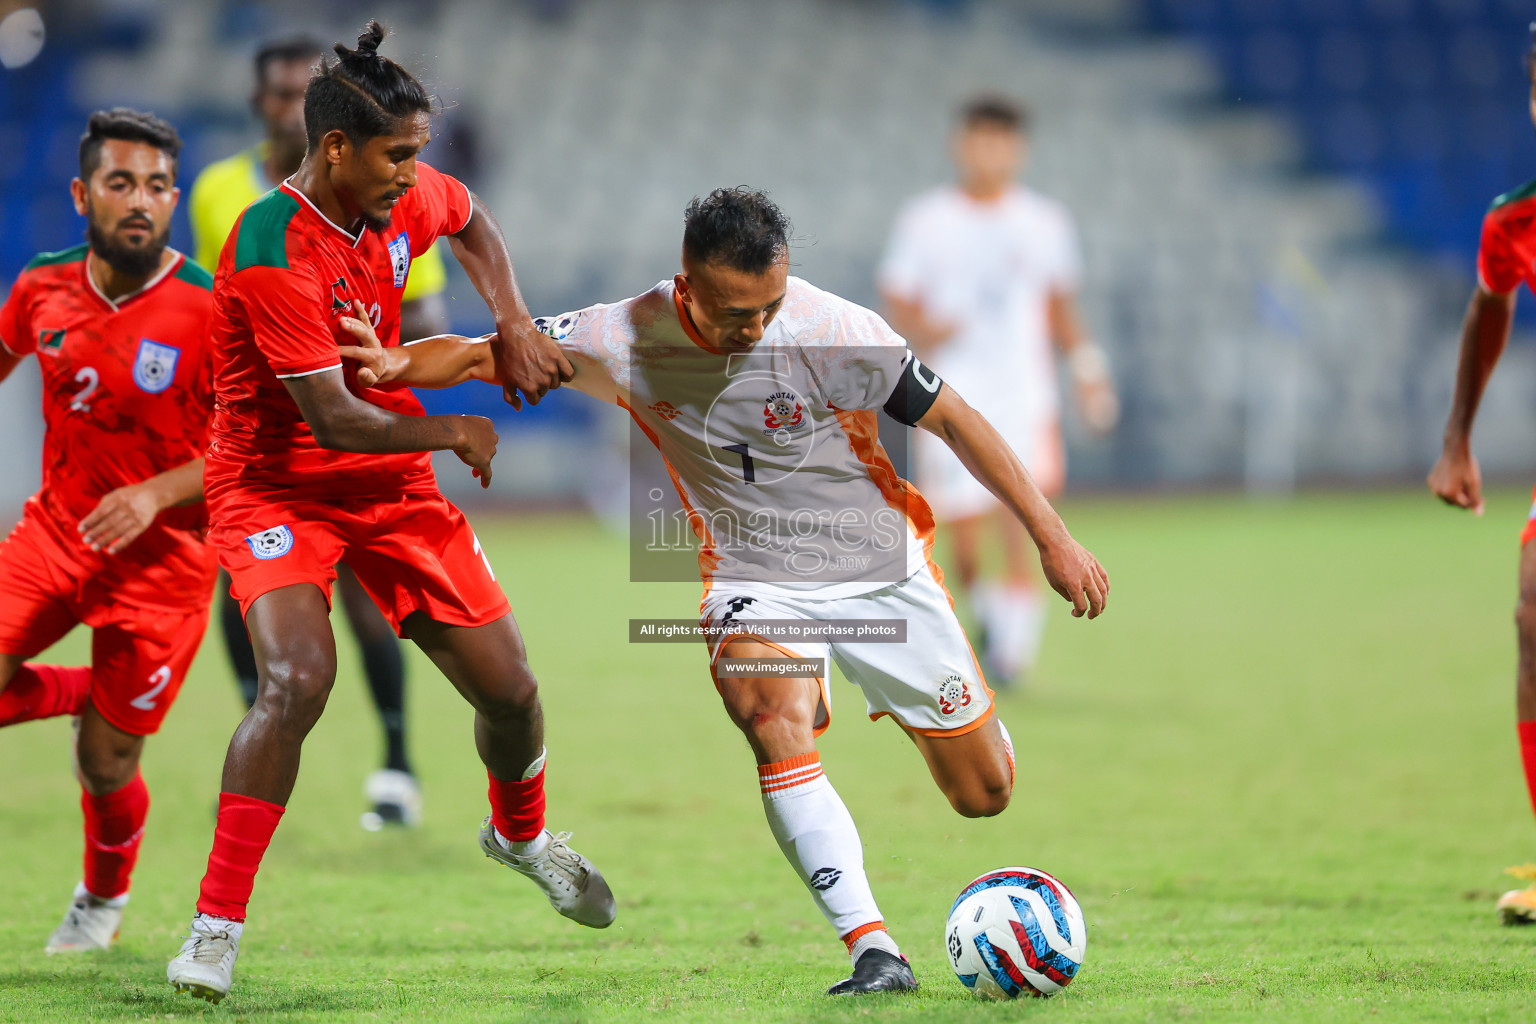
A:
[379,224]
[128,260]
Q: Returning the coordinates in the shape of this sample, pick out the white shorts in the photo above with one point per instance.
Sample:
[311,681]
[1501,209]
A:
[931,683]
[953,493]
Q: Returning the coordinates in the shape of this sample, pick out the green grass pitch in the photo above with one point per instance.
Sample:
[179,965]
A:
[1280,774]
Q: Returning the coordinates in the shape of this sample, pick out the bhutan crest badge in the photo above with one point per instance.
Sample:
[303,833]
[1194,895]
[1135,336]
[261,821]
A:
[954,695]
[783,411]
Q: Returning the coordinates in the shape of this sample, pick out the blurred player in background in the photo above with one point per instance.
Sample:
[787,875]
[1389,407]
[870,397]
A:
[115,537]
[302,473]
[982,277]
[762,392]
[1506,258]
[222,191]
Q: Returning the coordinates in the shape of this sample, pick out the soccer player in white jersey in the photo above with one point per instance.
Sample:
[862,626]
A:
[761,392]
[981,277]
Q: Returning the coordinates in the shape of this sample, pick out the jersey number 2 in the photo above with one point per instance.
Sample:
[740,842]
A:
[89,377]
[161,678]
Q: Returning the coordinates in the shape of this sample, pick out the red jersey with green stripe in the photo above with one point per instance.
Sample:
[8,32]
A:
[127,384]
[286,276]
[1506,253]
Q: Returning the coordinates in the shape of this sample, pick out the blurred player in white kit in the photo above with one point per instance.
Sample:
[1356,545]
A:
[981,278]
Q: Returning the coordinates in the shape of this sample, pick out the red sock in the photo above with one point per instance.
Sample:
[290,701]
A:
[1528,756]
[517,808]
[114,824]
[245,828]
[44,691]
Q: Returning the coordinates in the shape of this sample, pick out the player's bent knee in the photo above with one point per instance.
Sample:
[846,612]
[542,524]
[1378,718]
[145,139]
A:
[107,767]
[983,795]
[981,803]
[769,724]
[295,691]
[512,698]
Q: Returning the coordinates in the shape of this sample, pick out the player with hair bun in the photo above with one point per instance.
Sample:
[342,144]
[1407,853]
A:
[306,469]
[281,70]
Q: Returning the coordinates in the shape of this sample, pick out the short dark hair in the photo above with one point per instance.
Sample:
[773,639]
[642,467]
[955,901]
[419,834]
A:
[740,228]
[995,111]
[281,51]
[129,126]
[361,93]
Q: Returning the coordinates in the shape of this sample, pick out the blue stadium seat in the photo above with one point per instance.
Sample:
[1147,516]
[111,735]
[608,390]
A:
[1422,100]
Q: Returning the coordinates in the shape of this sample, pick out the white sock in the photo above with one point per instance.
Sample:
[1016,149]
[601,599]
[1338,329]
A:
[879,938]
[224,924]
[531,848]
[1015,620]
[820,840]
[115,901]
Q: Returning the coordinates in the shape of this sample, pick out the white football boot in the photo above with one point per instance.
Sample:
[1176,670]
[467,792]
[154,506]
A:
[90,923]
[205,967]
[396,800]
[575,888]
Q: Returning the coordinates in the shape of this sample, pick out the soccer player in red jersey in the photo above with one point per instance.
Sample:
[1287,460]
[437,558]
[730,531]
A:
[303,473]
[115,537]
[1506,258]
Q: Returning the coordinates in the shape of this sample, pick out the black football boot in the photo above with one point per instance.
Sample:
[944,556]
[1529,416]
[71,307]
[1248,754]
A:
[877,971]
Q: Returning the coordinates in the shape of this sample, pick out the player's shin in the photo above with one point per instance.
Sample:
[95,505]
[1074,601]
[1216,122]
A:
[114,826]
[240,840]
[517,809]
[44,691]
[821,842]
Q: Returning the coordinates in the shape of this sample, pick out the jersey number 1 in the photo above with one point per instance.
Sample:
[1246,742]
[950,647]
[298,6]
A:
[748,467]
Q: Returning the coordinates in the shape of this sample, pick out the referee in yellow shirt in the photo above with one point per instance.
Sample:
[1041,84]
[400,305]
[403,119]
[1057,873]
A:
[222,191]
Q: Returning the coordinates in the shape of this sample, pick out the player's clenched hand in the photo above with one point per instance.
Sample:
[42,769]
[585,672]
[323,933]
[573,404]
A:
[370,355]
[530,361]
[1076,575]
[478,446]
[119,518]
[1458,480]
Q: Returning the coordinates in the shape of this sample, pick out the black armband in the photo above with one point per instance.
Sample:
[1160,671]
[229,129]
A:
[916,390]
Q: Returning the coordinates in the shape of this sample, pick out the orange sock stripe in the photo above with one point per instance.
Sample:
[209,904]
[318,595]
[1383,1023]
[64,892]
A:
[780,767]
[861,931]
[793,781]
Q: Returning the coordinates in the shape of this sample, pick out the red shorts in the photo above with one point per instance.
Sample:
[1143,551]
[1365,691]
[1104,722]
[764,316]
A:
[139,653]
[414,553]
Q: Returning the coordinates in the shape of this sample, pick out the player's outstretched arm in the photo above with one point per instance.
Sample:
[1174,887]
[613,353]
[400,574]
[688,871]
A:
[121,515]
[1070,569]
[343,422]
[442,361]
[526,359]
[1456,478]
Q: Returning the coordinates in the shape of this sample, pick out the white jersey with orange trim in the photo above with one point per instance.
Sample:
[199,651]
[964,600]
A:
[774,451]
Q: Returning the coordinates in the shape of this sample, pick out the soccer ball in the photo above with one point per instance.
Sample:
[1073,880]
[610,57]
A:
[1013,932]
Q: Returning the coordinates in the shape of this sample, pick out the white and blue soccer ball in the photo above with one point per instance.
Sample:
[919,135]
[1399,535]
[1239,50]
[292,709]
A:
[1013,932]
